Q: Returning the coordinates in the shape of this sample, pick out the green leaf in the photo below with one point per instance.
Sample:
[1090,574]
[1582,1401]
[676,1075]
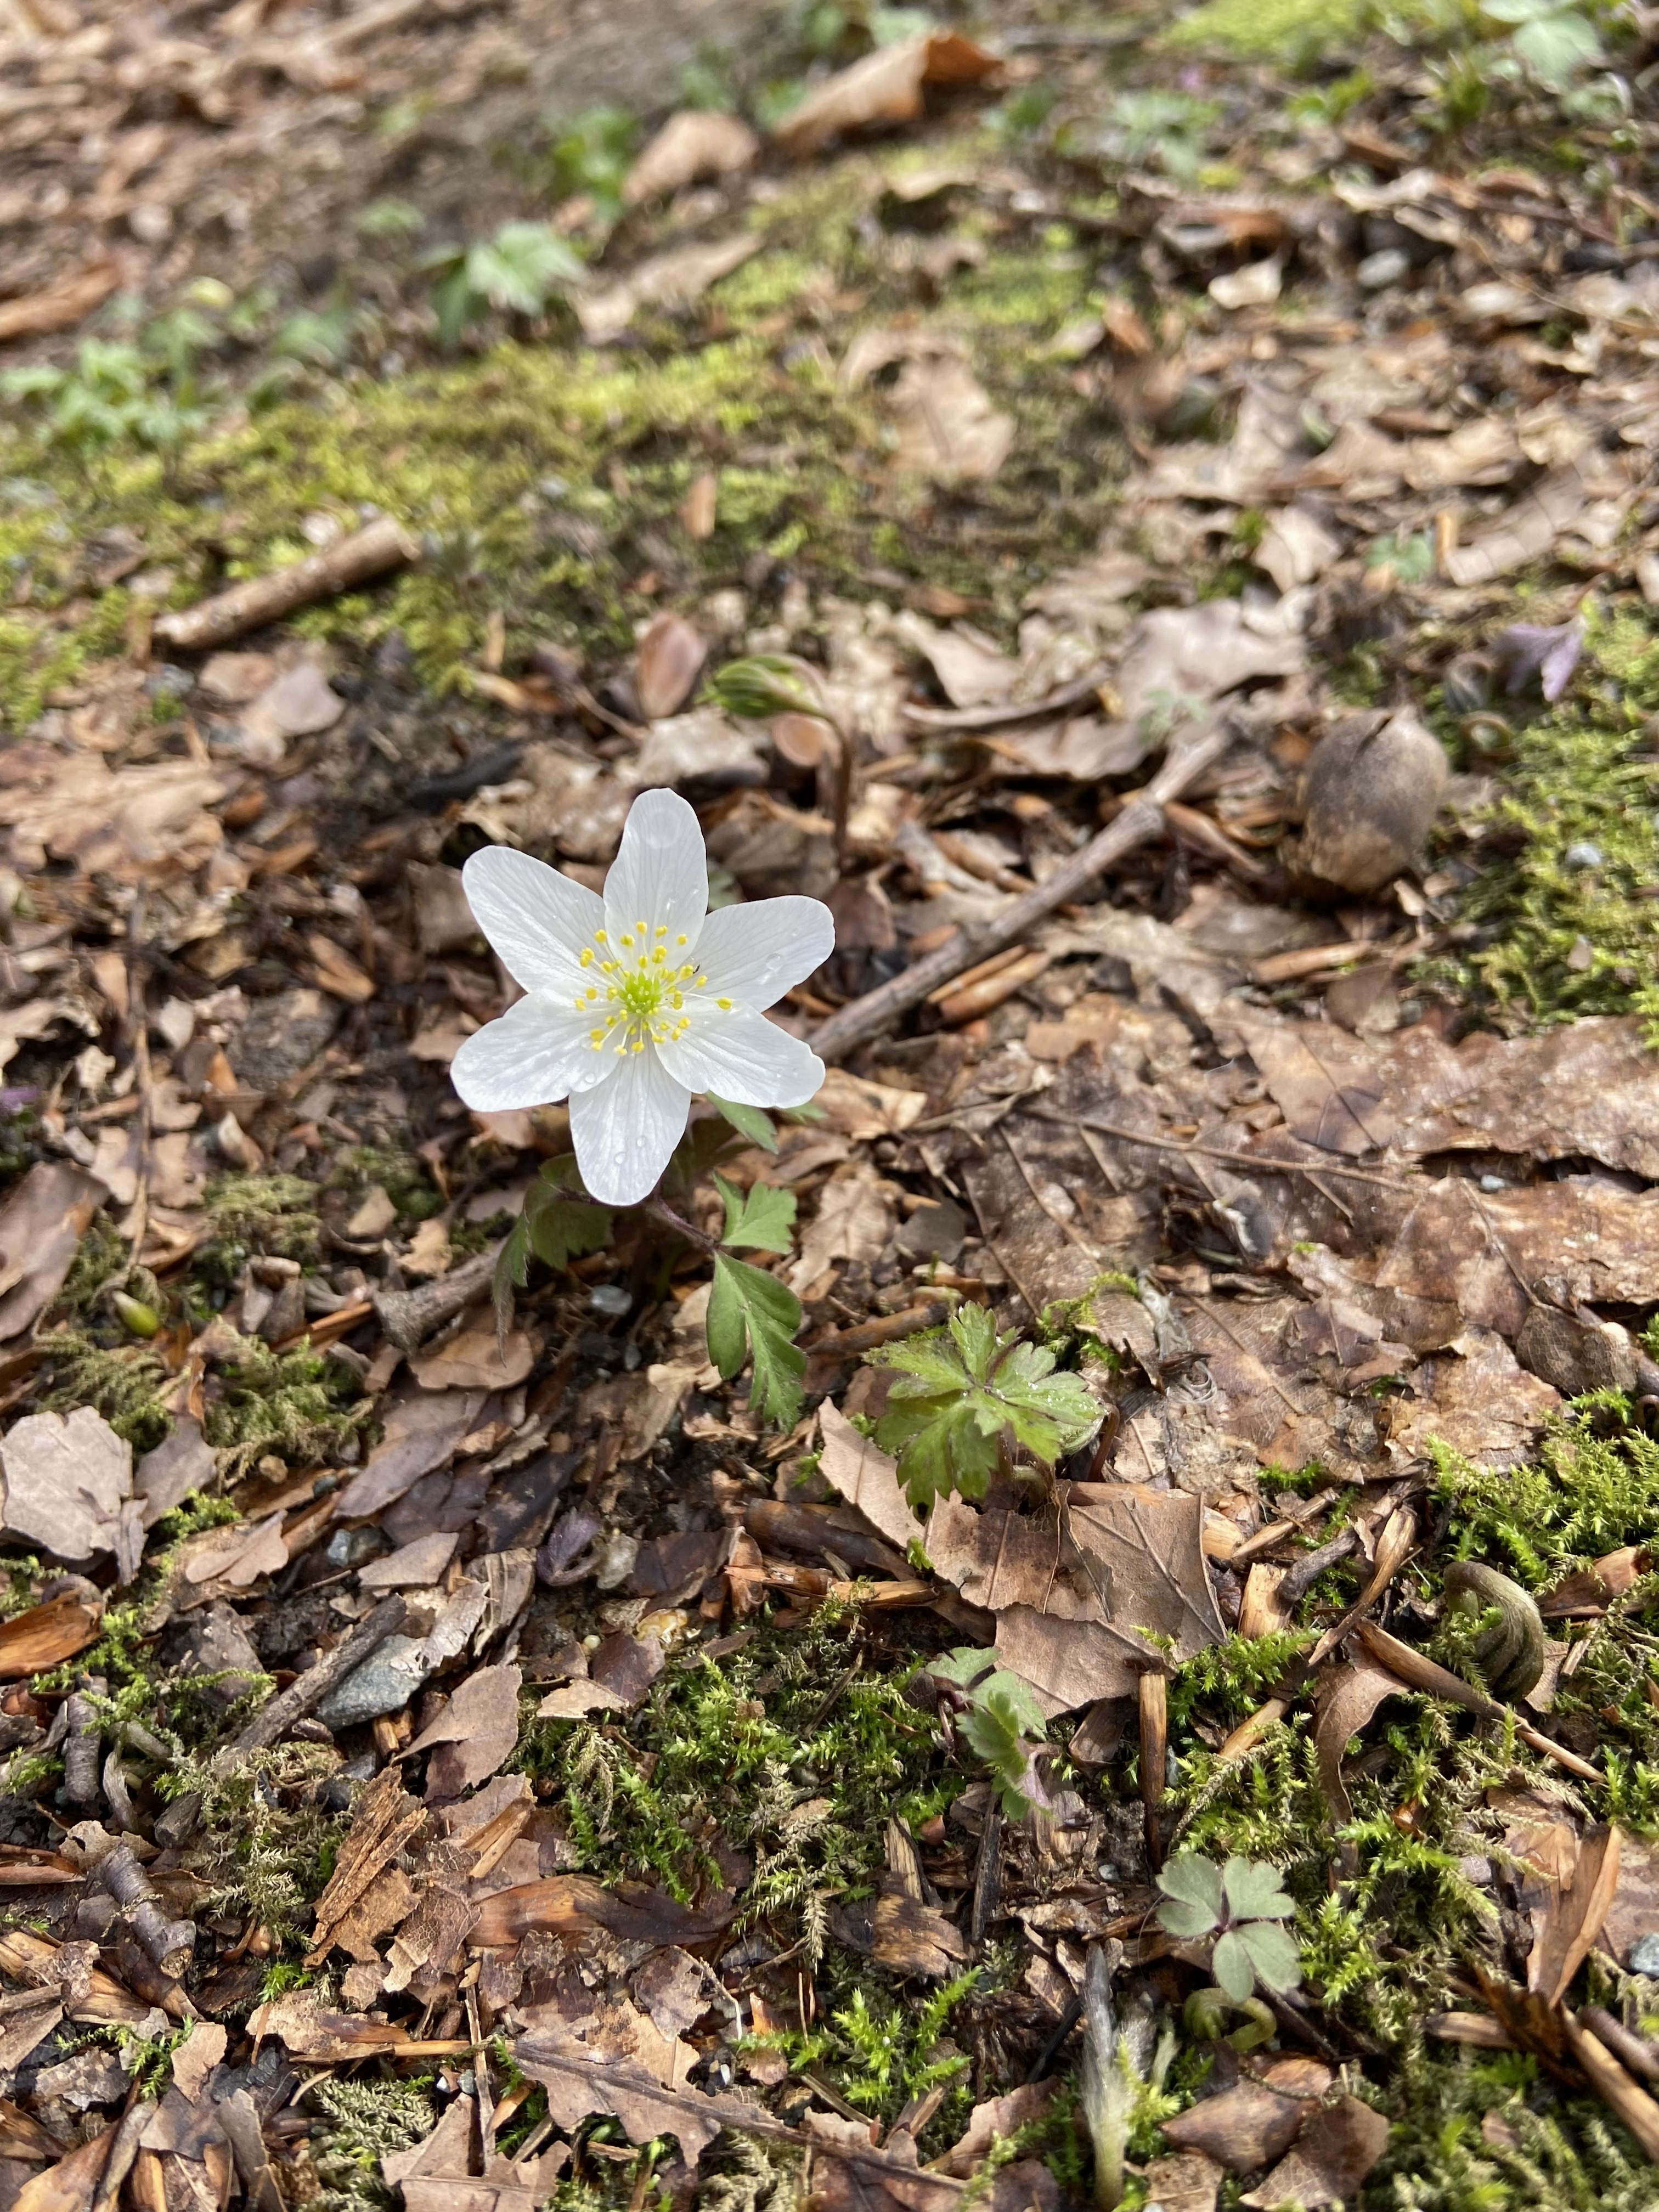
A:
[965,1666]
[752,1315]
[1254,1891]
[1013,1696]
[511,1268]
[760,1219]
[561,1228]
[1555,47]
[517,268]
[1233,1967]
[1272,1953]
[748,1121]
[1192,1891]
[963,1394]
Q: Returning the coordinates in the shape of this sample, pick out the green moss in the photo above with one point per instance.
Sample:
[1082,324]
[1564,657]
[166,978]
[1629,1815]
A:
[300,1404]
[1563,925]
[123,1381]
[1276,30]
[1588,1494]
[363,2121]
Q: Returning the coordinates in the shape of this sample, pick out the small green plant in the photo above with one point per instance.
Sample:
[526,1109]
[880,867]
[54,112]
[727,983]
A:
[592,154]
[1001,1722]
[1550,39]
[968,1399]
[115,394]
[516,272]
[752,1316]
[1169,129]
[1242,1904]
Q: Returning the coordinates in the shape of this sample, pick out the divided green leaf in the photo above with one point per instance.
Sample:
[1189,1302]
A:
[561,1227]
[1192,1891]
[753,1316]
[963,1394]
[1004,1726]
[512,1271]
[748,1121]
[1272,1953]
[1232,1965]
[760,1219]
[1254,1891]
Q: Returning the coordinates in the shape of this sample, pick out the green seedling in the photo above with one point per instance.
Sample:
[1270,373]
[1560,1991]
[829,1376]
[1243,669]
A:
[1242,1905]
[967,1399]
[1001,1722]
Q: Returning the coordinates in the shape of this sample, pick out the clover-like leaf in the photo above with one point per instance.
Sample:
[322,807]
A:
[1232,1965]
[760,1219]
[753,1316]
[1192,1894]
[1273,1954]
[1254,1891]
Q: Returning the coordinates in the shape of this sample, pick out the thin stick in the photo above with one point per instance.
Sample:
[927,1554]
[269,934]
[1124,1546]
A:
[1140,820]
[1263,1165]
[309,1690]
[366,553]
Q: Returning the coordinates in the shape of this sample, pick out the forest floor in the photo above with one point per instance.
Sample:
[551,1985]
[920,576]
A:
[514,1755]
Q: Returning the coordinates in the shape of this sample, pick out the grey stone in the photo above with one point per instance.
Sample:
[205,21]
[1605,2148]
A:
[385,1683]
[281,1035]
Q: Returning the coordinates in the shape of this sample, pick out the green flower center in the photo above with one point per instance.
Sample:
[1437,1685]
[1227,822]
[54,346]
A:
[639,993]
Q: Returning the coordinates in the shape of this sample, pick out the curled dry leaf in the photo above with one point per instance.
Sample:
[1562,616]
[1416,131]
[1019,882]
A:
[697,143]
[885,87]
[45,1635]
[670,657]
[1338,2145]
[68,1480]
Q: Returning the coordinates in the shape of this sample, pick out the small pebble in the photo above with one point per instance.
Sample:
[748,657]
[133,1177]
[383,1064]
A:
[1493,1182]
[1584,855]
[1378,270]
[1645,1955]
[609,1298]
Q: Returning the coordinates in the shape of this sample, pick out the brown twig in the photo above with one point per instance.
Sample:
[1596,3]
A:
[409,1317]
[366,553]
[1140,820]
[307,1693]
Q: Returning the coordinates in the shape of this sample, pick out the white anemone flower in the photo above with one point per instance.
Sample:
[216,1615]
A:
[635,1000]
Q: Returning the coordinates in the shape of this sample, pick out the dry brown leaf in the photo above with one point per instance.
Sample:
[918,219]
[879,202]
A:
[63,305]
[41,1225]
[581,2079]
[854,1220]
[45,1635]
[1573,1915]
[1525,532]
[949,430]
[1144,1551]
[1185,2182]
[670,281]
[195,2058]
[865,1477]
[478,1731]
[885,87]
[414,1565]
[998,2115]
[1338,2145]
[669,658]
[65,1480]
[1245,2127]
[570,1904]
[854,1106]
[474,1360]
[697,143]
[1477,1399]
[422,1431]
[1327,1084]
[72,2183]
[238,1556]
[908,1936]
[1347,1697]
[76,807]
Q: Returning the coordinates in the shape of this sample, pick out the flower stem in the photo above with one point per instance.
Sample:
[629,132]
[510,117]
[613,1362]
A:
[660,1210]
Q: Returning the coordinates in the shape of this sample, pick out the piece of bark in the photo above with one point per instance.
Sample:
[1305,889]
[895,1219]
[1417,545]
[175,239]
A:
[1140,821]
[171,1944]
[365,554]
[409,1317]
[303,1696]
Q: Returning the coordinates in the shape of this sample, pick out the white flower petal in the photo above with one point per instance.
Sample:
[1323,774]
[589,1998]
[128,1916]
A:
[536,1051]
[535,918]
[754,954]
[625,1127]
[742,1056]
[661,878]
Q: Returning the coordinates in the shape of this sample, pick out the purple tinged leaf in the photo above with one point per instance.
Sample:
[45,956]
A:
[1549,652]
